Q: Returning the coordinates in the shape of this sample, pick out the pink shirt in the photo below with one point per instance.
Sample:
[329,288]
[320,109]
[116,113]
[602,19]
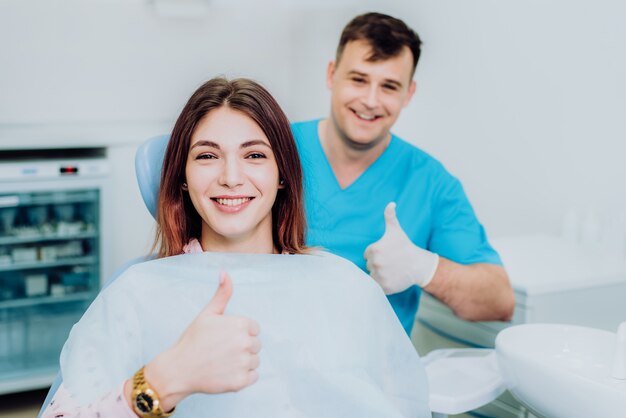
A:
[113,404]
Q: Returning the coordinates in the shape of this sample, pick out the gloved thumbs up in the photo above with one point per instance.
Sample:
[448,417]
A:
[395,262]
[391,221]
[222,295]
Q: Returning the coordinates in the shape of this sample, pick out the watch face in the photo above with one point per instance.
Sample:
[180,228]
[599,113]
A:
[144,402]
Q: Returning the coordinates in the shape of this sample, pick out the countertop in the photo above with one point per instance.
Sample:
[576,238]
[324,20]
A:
[79,135]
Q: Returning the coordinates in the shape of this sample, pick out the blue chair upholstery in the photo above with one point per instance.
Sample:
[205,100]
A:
[148,163]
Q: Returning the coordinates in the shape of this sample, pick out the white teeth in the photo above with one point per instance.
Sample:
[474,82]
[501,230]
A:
[232,202]
[366,117]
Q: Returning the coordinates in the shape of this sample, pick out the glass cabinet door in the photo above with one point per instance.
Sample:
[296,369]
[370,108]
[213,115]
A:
[49,273]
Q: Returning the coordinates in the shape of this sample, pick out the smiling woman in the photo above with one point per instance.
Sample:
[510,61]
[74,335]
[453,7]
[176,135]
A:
[231,200]
[231,149]
[232,180]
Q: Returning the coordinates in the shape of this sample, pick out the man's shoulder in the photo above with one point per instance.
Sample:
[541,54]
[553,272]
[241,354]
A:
[416,155]
[304,128]
[305,136]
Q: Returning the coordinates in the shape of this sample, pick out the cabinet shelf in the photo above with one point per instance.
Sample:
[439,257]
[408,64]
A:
[46,264]
[54,198]
[11,240]
[46,300]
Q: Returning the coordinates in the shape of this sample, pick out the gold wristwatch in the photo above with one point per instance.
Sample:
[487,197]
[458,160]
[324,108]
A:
[146,402]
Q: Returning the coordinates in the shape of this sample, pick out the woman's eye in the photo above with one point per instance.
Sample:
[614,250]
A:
[205,156]
[255,155]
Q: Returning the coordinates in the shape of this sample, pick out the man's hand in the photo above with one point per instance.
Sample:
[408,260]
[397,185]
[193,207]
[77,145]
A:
[395,262]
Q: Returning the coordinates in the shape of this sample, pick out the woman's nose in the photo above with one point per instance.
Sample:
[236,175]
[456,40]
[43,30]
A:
[232,173]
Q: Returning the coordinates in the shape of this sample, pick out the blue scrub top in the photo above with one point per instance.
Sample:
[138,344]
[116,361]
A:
[432,209]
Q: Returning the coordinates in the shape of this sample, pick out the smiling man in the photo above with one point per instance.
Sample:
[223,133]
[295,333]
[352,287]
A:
[383,203]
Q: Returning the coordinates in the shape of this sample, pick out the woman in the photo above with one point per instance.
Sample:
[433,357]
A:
[231,200]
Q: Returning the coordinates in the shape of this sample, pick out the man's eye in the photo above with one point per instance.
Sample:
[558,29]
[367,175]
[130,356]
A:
[255,155]
[391,87]
[358,80]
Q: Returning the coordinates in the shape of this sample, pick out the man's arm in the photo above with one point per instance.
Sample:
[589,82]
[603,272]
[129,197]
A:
[474,292]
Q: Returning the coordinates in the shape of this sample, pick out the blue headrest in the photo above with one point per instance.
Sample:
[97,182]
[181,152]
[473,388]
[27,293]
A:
[148,165]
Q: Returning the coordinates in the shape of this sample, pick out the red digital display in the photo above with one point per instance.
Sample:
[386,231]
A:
[69,170]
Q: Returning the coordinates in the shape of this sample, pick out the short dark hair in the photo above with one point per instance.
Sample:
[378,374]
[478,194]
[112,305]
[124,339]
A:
[178,220]
[386,35]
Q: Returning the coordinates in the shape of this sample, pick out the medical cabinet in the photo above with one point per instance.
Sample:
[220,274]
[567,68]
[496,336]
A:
[50,256]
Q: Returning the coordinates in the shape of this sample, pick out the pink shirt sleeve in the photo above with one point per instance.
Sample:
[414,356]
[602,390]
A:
[112,405]
[192,247]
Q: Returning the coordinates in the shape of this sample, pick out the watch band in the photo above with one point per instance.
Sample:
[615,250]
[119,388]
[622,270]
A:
[146,402]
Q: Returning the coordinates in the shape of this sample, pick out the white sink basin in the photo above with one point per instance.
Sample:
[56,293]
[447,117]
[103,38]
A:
[562,371]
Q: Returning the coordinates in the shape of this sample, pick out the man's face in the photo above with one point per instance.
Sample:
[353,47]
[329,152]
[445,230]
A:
[366,96]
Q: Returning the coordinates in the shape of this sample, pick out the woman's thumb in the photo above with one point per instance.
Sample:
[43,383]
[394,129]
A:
[222,295]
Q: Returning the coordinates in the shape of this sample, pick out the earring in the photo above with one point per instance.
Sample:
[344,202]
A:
[184,186]
[281,182]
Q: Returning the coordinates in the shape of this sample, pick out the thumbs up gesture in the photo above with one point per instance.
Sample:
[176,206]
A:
[395,262]
[216,353]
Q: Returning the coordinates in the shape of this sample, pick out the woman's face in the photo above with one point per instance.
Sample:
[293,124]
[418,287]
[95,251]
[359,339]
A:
[232,179]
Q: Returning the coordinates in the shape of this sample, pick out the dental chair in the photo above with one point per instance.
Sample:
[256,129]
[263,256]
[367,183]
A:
[148,163]
[455,387]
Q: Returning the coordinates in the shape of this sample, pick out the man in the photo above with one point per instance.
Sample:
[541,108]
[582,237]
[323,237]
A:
[383,203]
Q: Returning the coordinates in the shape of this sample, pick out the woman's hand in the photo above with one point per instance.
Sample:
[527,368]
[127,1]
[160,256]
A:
[217,353]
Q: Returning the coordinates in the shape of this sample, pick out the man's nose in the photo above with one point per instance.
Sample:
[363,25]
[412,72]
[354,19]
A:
[371,96]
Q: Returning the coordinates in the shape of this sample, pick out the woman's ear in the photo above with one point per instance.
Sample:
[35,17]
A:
[281,184]
[184,187]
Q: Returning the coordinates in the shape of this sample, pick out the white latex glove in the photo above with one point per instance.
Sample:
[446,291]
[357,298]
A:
[395,262]
[216,353]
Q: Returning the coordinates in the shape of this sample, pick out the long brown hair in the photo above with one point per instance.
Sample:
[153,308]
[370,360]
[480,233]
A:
[177,219]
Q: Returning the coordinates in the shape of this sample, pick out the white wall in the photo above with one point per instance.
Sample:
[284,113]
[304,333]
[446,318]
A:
[523,100]
[116,60]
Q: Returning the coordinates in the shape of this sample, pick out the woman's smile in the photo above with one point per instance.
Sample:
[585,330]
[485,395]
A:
[232,204]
